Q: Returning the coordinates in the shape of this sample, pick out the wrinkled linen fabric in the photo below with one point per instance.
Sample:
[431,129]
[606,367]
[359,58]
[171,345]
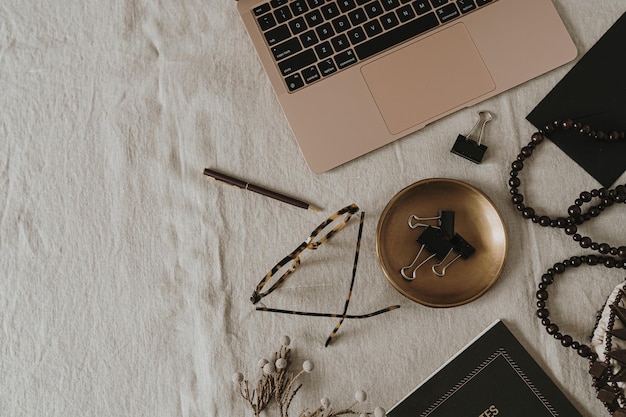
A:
[126,274]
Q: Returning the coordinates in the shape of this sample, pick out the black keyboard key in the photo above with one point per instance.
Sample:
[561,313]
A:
[327,67]
[421,6]
[294,82]
[283,14]
[324,50]
[314,3]
[341,24]
[340,43]
[330,11]
[361,2]
[373,9]
[266,21]
[466,5]
[357,17]
[298,25]
[437,3]
[308,39]
[286,49]
[297,62]
[311,74]
[448,12]
[345,59]
[346,5]
[260,9]
[298,7]
[373,28]
[278,3]
[277,35]
[314,18]
[397,35]
[389,20]
[482,2]
[405,13]
[390,4]
[325,31]
[356,35]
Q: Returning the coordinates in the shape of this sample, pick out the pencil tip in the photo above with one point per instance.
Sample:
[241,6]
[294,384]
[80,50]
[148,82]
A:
[314,208]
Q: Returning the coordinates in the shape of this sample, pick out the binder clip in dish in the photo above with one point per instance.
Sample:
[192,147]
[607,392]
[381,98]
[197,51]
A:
[461,247]
[470,147]
[445,222]
[433,241]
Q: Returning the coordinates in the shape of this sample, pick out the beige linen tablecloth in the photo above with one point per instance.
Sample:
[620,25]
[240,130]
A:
[126,273]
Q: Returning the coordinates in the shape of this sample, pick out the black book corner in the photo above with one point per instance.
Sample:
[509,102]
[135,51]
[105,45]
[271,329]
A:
[592,92]
[492,376]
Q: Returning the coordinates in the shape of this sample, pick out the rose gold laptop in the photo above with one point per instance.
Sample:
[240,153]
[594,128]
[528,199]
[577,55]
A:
[354,75]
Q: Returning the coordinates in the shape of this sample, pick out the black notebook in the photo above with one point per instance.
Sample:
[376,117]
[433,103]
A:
[492,376]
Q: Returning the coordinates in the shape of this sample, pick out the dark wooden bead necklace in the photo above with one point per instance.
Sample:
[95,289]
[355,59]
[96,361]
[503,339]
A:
[575,215]
[604,379]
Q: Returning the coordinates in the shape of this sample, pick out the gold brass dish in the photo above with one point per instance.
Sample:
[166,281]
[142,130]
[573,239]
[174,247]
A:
[476,219]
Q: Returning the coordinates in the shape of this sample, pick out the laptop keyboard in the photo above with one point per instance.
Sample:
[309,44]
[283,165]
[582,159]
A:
[313,39]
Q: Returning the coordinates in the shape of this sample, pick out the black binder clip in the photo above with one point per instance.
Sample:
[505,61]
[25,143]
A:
[433,241]
[470,148]
[445,222]
[461,247]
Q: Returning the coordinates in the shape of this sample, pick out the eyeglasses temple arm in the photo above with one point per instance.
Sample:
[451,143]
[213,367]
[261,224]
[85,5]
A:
[347,316]
[354,266]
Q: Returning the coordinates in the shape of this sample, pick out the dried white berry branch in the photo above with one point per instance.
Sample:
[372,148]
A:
[280,385]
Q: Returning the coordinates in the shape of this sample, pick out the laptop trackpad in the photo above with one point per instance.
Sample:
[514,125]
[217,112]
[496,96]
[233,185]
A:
[427,78]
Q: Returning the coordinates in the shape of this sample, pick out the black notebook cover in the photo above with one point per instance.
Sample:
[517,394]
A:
[592,92]
[493,375]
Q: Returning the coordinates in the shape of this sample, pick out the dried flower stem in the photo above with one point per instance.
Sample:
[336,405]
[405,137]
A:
[277,384]
[293,394]
[322,412]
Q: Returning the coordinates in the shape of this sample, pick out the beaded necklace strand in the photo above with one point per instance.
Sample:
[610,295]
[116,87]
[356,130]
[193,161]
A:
[605,379]
[575,215]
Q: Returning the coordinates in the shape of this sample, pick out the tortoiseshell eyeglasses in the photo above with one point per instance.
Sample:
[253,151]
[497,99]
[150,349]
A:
[335,223]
